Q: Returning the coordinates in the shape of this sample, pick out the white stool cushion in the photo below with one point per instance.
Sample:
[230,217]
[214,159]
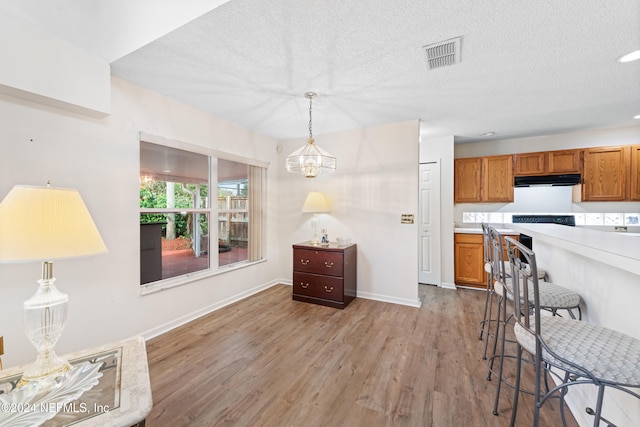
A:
[551,296]
[609,355]
[542,274]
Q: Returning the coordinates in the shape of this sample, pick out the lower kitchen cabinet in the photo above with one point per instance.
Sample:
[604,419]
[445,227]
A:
[469,260]
[325,275]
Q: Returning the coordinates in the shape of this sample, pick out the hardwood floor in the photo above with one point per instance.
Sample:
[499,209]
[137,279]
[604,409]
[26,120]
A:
[271,361]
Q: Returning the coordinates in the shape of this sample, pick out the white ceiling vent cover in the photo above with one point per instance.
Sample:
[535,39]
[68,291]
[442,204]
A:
[443,53]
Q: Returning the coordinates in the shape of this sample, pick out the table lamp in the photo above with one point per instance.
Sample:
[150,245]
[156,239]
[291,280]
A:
[43,224]
[316,203]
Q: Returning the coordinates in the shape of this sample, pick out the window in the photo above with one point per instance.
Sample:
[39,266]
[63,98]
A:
[179,236]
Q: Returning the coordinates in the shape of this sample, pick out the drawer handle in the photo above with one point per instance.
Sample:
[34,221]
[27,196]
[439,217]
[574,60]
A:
[328,264]
[304,285]
[304,262]
[328,289]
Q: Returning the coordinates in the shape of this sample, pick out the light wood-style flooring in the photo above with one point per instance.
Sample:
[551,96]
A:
[270,361]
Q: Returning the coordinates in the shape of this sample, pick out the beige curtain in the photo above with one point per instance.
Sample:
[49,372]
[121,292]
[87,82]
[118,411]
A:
[257,192]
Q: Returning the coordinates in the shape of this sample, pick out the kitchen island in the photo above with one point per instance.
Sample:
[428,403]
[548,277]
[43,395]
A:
[604,268]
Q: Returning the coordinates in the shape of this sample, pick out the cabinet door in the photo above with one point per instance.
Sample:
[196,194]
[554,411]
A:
[564,161]
[634,180]
[469,260]
[528,164]
[467,174]
[497,179]
[605,172]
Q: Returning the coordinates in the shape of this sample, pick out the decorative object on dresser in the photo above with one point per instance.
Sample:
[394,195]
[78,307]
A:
[315,203]
[43,224]
[310,159]
[325,275]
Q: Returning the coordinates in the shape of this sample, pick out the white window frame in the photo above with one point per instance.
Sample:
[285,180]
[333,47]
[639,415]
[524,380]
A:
[212,211]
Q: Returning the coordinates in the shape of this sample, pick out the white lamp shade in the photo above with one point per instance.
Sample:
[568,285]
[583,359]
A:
[45,223]
[315,202]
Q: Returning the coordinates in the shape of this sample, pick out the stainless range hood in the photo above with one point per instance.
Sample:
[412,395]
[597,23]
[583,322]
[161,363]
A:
[547,180]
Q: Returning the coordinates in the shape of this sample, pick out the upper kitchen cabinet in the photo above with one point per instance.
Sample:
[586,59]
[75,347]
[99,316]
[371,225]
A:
[467,180]
[483,179]
[605,174]
[548,163]
[634,180]
[564,161]
[497,179]
[528,164]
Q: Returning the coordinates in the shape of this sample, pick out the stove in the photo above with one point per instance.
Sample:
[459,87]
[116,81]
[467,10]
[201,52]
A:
[569,220]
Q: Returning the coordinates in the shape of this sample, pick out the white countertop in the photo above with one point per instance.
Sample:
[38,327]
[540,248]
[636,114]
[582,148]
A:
[621,250]
[475,230]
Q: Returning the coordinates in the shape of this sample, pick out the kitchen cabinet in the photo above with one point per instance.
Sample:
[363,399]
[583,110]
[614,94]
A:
[467,174]
[497,179]
[324,275]
[469,259]
[483,179]
[564,162]
[606,170]
[529,164]
[634,179]
[548,163]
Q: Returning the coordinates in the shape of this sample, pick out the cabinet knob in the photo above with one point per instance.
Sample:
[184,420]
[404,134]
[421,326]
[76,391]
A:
[304,285]
[328,289]
[303,262]
[328,264]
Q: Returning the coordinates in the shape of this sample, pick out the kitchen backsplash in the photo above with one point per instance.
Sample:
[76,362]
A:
[582,218]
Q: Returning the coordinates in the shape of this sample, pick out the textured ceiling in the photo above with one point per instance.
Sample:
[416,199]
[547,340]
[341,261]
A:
[527,67]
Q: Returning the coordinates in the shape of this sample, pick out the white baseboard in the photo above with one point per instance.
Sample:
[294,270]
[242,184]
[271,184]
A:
[386,298]
[166,327]
[446,285]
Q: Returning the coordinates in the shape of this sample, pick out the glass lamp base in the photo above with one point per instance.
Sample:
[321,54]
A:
[46,364]
[45,316]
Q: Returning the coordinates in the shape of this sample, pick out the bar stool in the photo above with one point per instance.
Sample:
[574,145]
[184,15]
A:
[500,271]
[485,324]
[585,353]
[552,299]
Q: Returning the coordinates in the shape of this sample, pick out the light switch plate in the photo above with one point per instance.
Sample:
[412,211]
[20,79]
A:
[406,219]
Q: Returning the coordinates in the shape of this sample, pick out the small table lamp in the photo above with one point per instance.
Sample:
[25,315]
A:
[43,224]
[316,203]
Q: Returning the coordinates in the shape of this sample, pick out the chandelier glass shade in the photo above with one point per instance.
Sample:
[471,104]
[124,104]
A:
[310,160]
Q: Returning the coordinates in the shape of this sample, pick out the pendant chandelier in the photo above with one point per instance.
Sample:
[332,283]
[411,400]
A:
[310,160]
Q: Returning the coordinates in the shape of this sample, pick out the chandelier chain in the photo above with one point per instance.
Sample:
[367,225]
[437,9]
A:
[310,134]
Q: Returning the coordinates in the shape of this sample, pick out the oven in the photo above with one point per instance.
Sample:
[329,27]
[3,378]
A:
[569,220]
[527,241]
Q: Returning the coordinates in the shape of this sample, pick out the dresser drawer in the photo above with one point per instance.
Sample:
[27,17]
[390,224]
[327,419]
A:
[318,262]
[313,285]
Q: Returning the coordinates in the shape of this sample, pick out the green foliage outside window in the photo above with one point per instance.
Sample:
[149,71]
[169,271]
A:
[153,194]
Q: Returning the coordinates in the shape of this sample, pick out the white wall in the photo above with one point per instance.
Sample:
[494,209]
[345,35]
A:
[376,181]
[100,157]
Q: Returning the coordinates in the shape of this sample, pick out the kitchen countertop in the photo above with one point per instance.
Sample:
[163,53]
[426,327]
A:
[475,230]
[616,249]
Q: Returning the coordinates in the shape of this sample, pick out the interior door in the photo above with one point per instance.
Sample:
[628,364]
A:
[429,224]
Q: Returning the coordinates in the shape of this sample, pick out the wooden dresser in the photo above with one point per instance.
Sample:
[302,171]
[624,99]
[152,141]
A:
[324,275]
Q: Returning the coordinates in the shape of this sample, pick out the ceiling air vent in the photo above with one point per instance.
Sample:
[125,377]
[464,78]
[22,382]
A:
[443,53]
